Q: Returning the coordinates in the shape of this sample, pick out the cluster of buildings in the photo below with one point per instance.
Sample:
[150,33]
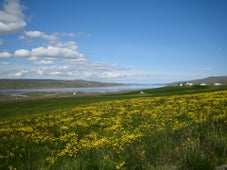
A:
[201,84]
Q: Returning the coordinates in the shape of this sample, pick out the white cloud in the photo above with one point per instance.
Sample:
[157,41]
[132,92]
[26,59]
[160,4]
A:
[55,73]
[40,72]
[76,60]
[39,34]
[22,53]
[70,45]
[80,34]
[56,58]
[54,49]
[52,38]
[34,34]
[65,34]
[11,17]
[69,73]
[65,67]
[19,73]
[5,55]
[33,58]
[21,37]
[5,63]
[110,74]
[71,35]
[43,62]
[55,52]
[60,59]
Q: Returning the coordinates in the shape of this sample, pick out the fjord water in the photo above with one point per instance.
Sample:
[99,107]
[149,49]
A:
[84,89]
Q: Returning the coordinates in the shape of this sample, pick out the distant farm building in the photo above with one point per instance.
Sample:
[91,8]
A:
[185,84]
[203,84]
[217,84]
[189,84]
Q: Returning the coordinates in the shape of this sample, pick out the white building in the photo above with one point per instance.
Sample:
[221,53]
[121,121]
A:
[189,84]
[217,84]
[203,84]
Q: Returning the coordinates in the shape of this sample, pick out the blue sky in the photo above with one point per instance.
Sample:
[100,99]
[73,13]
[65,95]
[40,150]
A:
[141,41]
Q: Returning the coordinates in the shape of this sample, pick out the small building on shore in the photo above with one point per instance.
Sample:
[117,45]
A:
[189,84]
[185,84]
[180,84]
[203,84]
[217,84]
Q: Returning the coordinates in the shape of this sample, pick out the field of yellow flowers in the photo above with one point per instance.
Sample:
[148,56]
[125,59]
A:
[178,132]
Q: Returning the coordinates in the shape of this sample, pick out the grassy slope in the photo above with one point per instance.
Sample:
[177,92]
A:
[20,109]
[42,83]
[170,132]
[208,80]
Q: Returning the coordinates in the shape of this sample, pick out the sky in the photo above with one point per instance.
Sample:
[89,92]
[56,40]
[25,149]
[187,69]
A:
[127,41]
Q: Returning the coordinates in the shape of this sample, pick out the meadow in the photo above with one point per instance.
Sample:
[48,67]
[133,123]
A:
[180,129]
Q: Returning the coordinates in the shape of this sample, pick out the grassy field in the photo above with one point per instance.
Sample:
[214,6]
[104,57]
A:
[19,109]
[165,128]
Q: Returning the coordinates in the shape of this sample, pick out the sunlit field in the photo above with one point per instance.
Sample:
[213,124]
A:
[169,132]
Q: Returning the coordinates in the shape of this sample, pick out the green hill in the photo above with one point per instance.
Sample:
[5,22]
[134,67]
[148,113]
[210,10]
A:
[48,83]
[209,80]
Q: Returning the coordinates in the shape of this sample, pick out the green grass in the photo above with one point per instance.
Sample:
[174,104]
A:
[177,90]
[20,109]
[168,132]
[41,106]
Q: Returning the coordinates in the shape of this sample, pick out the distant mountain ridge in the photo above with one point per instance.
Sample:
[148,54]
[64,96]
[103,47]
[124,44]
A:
[50,83]
[208,80]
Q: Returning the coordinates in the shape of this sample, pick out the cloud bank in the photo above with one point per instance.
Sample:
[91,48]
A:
[52,57]
[61,60]
[11,17]
[5,55]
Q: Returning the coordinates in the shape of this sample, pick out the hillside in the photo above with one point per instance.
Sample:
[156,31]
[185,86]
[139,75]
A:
[48,83]
[165,132]
[208,80]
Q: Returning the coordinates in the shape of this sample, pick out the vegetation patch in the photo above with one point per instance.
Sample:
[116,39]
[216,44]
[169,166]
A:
[165,132]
